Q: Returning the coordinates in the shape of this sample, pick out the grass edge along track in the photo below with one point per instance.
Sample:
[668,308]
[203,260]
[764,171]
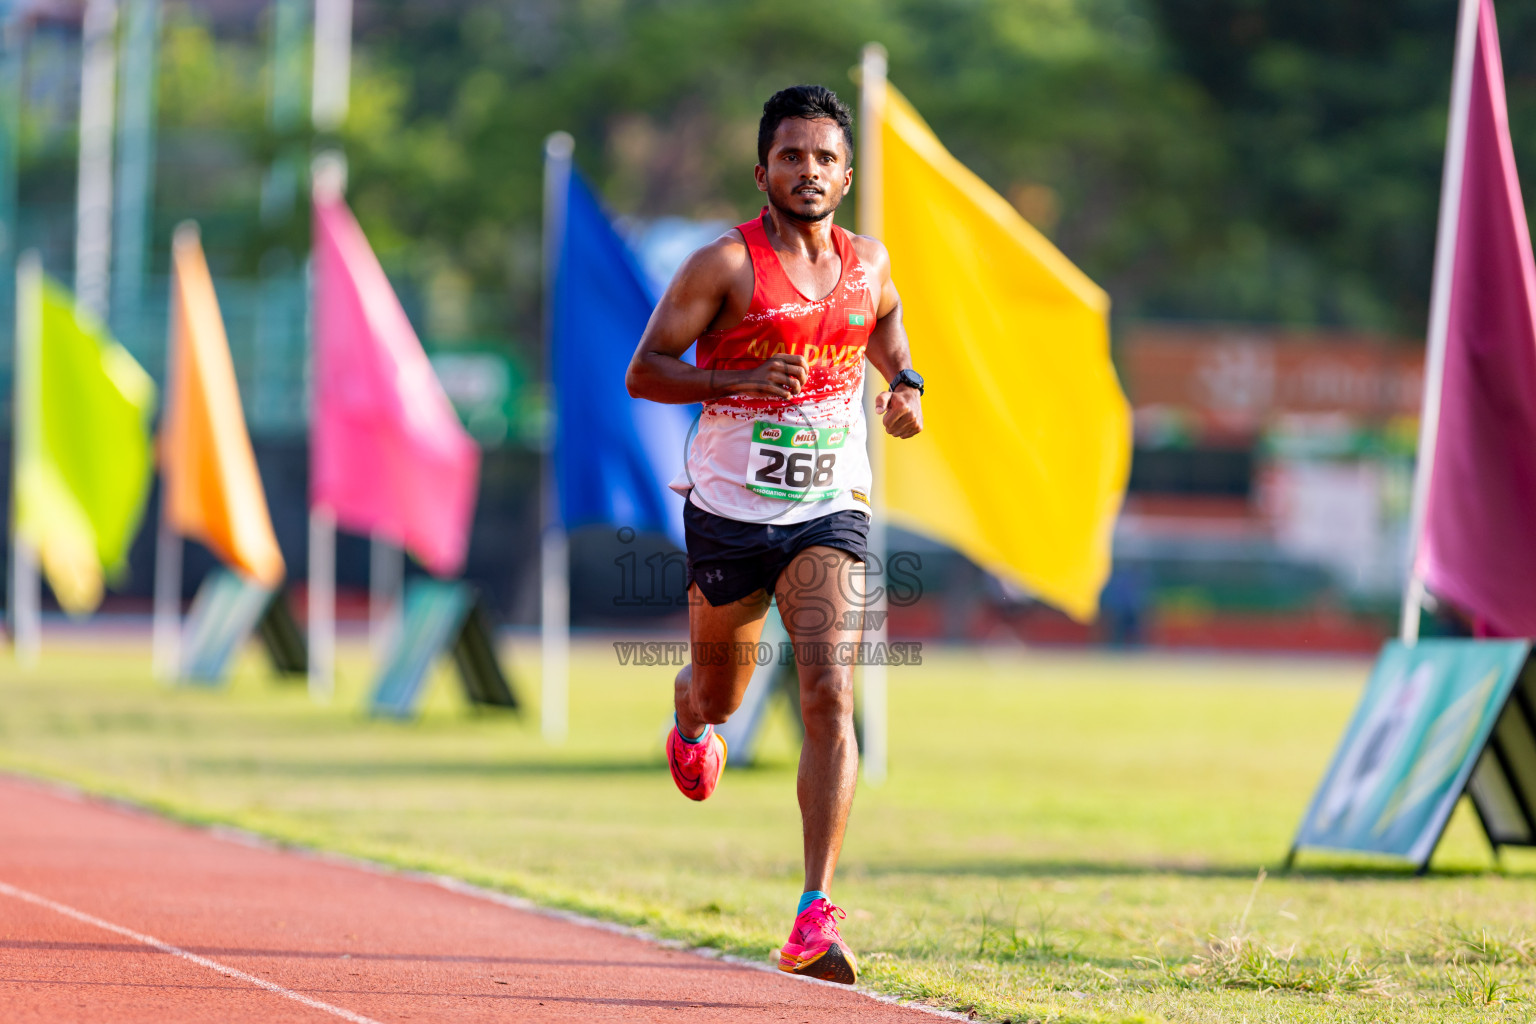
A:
[1180,778]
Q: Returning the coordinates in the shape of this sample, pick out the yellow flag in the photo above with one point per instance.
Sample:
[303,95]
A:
[83,464]
[212,490]
[1023,459]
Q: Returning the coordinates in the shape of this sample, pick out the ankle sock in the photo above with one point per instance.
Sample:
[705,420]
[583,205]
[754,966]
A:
[808,898]
[684,736]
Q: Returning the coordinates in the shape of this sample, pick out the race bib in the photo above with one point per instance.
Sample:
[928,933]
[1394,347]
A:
[795,463]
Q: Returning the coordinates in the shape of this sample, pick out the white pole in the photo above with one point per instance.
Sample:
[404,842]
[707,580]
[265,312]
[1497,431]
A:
[166,649]
[26,588]
[167,628]
[328,176]
[554,635]
[1440,307]
[332,73]
[322,604]
[554,548]
[870,198]
[93,225]
[333,64]
[93,218]
[386,583]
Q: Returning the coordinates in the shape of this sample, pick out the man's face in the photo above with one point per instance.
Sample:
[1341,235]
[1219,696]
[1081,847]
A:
[808,172]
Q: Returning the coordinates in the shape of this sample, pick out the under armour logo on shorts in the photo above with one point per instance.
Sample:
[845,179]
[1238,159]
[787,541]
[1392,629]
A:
[714,575]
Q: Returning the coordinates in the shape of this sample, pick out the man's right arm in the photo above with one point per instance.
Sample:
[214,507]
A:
[693,301]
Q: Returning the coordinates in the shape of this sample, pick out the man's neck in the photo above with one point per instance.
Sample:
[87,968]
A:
[809,238]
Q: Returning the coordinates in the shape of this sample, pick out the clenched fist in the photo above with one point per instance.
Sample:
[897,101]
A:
[780,376]
[901,411]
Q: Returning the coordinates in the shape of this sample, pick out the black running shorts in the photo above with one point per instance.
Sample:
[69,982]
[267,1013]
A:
[730,559]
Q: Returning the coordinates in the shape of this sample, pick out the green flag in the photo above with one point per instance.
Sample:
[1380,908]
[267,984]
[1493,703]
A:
[84,458]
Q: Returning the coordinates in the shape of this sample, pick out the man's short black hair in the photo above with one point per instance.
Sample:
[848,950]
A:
[811,102]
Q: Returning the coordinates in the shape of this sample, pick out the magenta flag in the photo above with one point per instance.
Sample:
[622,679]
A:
[388,455]
[1479,543]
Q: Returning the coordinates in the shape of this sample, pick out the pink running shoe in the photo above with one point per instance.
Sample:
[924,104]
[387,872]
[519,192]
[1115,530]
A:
[696,767]
[815,949]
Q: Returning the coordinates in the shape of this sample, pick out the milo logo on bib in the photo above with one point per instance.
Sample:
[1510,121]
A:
[794,463]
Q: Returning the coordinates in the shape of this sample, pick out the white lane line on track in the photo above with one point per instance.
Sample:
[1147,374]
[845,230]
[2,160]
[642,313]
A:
[166,947]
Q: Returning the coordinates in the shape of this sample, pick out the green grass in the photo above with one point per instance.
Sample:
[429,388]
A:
[1063,837]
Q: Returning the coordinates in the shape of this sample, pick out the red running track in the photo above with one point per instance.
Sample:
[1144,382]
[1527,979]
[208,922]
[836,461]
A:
[111,915]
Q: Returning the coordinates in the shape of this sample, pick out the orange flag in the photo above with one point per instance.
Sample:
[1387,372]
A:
[212,491]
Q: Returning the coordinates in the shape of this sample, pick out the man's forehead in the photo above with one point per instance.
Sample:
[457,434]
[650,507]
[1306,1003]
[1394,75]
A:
[808,133]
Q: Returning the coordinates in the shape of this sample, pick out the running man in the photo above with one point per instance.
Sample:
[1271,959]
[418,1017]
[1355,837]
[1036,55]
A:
[785,308]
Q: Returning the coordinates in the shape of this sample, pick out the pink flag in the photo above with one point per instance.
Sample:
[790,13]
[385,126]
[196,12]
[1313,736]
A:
[388,455]
[1479,543]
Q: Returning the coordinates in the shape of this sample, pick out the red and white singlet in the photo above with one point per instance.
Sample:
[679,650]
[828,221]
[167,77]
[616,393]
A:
[773,460]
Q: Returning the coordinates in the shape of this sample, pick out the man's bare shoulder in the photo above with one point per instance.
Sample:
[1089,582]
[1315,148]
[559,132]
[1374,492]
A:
[718,263]
[871,251]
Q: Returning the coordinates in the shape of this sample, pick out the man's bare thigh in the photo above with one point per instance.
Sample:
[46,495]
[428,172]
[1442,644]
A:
[717,635]
[817,591]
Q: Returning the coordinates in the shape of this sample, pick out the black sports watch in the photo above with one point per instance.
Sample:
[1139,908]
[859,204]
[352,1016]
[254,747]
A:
[911,378]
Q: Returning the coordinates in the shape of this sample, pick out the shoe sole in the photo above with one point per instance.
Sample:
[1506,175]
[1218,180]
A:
[725,752]
[831,964]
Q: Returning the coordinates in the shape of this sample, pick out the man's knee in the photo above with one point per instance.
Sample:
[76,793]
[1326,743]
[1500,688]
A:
[715,708]
[826,695]
[716,694]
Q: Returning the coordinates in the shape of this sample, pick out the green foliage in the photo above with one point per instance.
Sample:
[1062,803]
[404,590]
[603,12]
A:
[1480,985]
[1242,159]
[1061,104]
[1334,117]
[1333,113]
[1238,961]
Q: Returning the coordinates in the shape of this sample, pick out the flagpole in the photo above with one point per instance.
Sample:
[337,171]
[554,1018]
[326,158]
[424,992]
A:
[328,178]
[1440,307]
[166,660]
[329,94]
[554,546]
[870,200]
[93,254]
[93,213]
[322,604]
[333,64]
[26,588]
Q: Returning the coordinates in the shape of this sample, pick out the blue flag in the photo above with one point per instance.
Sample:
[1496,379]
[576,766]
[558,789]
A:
[614,455]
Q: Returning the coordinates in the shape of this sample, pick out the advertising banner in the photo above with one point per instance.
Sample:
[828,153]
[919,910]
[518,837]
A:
[1421,726]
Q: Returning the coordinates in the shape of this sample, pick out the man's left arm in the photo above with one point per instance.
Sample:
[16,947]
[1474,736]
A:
[901,411]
